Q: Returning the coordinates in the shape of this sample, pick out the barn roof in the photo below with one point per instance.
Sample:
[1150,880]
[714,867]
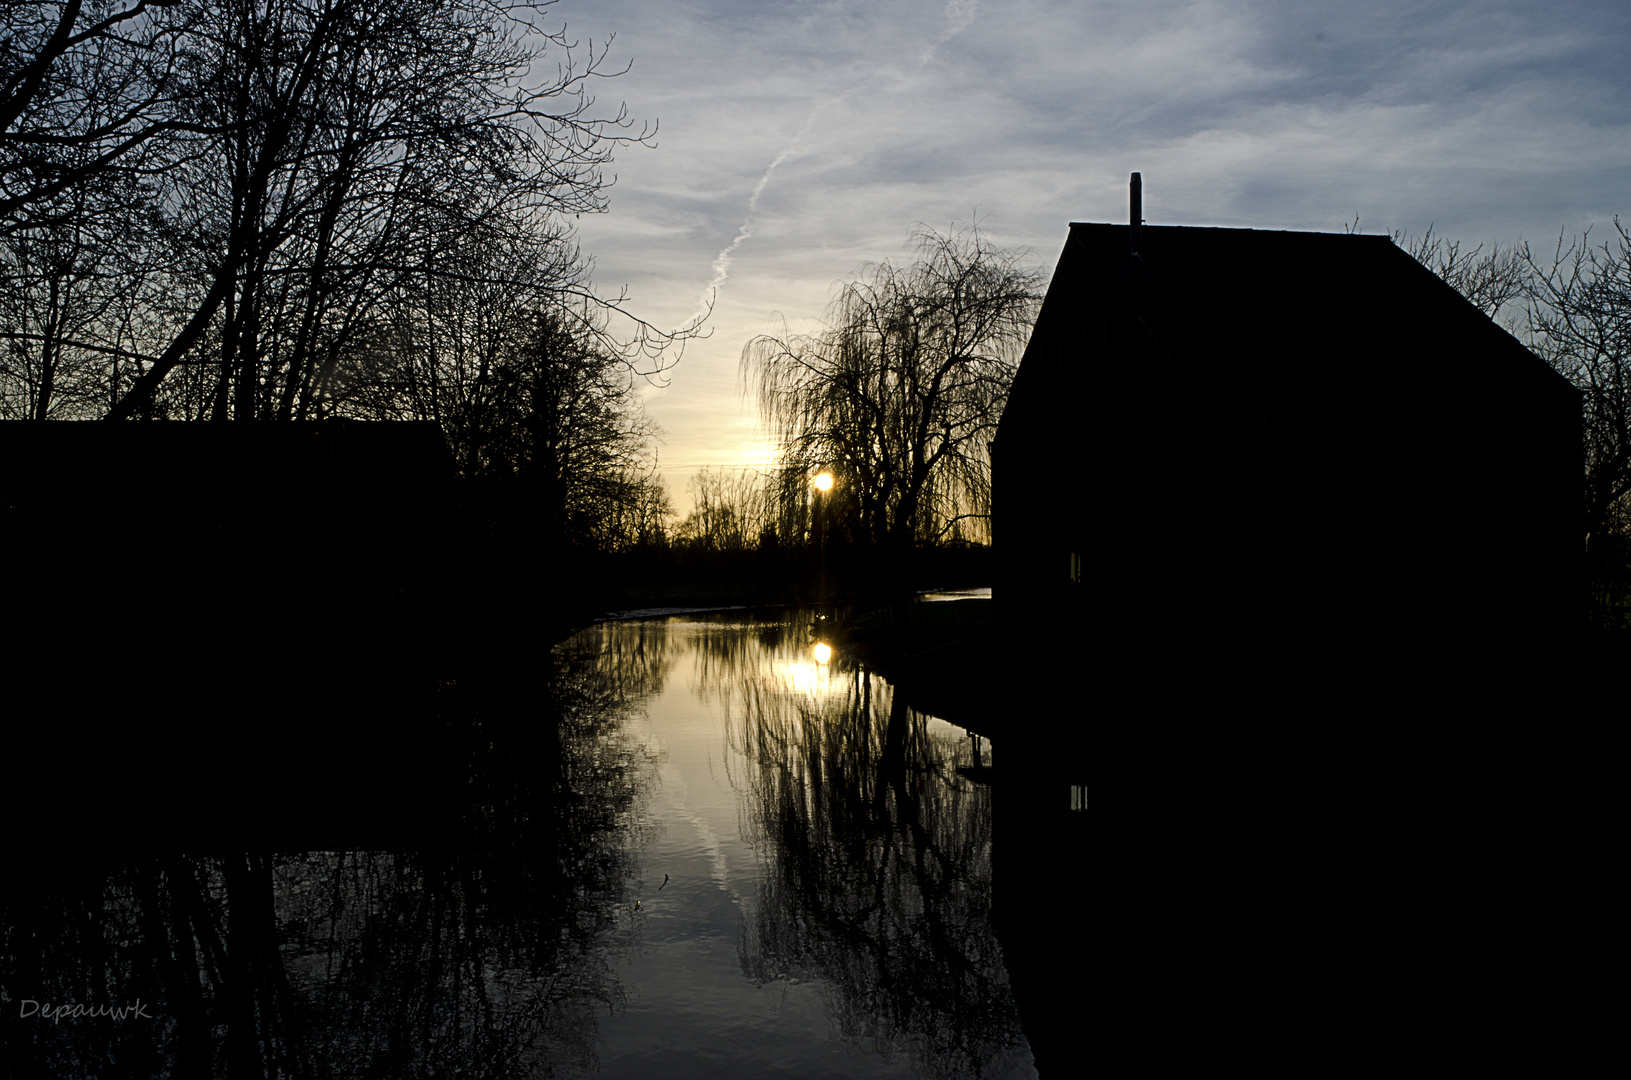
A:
[1278,408]
[1224,310]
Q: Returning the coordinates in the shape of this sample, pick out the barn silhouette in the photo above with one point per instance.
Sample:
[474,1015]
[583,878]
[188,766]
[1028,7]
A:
[1251,443]
[1288,540]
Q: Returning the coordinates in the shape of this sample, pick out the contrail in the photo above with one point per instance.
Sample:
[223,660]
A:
[722,261]
[959,15]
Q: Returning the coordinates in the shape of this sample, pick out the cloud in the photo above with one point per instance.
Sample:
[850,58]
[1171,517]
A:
[959,15]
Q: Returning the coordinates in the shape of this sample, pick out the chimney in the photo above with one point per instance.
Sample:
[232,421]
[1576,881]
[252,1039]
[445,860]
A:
[1135,226]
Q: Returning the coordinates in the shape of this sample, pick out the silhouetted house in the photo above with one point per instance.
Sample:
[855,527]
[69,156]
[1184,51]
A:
[1287,536]
[1281,457]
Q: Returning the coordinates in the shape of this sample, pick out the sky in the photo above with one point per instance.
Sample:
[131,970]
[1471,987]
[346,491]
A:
[799,141]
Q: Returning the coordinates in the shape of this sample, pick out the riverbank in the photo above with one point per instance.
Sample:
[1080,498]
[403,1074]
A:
[935,652]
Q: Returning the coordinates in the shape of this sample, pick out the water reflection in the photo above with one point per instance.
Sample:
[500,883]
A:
[485,946]
[878,866]
[823,853]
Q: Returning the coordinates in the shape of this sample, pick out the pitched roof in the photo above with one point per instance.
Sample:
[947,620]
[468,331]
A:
[1227,309]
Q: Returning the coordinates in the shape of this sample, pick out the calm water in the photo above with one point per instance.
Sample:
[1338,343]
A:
[689,850]
[827,886]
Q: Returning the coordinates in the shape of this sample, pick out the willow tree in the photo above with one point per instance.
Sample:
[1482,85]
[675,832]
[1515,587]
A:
[899,397]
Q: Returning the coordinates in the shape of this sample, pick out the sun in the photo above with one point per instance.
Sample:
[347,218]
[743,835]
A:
[823,482]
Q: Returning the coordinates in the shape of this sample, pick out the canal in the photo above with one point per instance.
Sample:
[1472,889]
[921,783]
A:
[690,849]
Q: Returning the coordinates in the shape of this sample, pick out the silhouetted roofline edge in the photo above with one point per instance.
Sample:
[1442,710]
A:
[1234,228]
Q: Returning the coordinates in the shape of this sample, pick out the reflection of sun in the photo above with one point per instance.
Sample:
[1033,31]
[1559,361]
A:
[805,677]
[824,481]
[822,651]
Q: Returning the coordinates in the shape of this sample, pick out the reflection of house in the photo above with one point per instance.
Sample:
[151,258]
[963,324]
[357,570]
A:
[1286,535]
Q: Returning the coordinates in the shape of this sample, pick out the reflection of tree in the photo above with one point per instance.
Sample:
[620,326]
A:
[879,875]
[622,663]
[726,652]
[482,952]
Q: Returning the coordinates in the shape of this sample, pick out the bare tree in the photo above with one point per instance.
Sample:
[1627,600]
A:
[86,88]
[360,150]
[641,520]
[729,510]
[545,423]
[302,168]
[70,289]
[1490,281]
[900,396]
[578,438]
[91,117]
[1579,321]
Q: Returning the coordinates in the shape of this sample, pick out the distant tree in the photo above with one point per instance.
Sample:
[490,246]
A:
[645,521]
[543,419]
[729,510]
[577,438]
[899,397]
